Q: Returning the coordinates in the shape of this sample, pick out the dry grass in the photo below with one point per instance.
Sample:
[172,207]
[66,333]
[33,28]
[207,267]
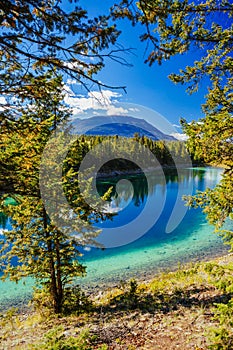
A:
[174,311]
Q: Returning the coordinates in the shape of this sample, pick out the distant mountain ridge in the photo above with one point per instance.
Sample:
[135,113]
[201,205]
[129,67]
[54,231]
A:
[124,126]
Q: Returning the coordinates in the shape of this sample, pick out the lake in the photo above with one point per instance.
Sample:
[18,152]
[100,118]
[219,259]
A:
[143,246]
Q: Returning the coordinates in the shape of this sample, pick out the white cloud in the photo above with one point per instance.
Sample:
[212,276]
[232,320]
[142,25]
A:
[94,101]
[2,232]
[113,110]
[73,65]
[134,110]
[180,137]
[176,125]
[2,100]
[71,81]
[87,249]
[68,91]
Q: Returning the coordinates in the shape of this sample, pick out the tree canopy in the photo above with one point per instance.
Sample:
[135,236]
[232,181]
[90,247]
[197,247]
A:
[43,251]
[176,27]
[37,35]
[40,40]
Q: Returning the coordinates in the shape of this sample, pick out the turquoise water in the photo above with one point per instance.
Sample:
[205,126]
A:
[155,250]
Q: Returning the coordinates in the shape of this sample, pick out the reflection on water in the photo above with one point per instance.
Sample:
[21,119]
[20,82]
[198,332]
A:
[156,250]
[192,239]
[129,196]
[144,186]
[3,221]
[152,187]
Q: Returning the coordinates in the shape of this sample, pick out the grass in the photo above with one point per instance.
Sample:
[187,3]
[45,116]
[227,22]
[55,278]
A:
[190,308]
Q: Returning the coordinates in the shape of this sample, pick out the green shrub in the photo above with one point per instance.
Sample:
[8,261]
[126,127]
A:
[221,337]
[75,301]
[55,339]
[222,276]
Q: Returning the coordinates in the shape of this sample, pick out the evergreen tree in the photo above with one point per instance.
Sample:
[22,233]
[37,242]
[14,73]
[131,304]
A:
[38,35]
[173,28]
[39,40]
[42,249]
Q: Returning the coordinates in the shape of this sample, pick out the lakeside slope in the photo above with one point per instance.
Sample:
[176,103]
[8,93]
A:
[174,310]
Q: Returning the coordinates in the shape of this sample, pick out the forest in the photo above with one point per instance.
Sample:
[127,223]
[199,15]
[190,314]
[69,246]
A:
[34,59]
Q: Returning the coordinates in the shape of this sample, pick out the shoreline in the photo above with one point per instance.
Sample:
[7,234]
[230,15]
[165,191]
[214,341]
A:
[147,268]
[134,172]
[144,275]
[98,287]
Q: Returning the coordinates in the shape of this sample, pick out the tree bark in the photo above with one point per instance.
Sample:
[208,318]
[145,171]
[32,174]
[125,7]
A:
[59,278]
[53,282]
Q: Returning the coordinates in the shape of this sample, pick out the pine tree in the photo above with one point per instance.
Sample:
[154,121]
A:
[173,28]
[38,35]
[43,250]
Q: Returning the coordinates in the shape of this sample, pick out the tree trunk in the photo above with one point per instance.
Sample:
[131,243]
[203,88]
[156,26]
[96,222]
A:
[53,282]
[59,279]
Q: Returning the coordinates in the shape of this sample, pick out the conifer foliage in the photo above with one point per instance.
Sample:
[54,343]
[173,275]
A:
[39,42]
[38,35]
[42,250]
[173,28]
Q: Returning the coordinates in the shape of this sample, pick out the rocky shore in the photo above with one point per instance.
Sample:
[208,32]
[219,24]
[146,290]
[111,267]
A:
[172,311]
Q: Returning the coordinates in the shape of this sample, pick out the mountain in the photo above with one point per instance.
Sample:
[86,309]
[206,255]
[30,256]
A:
[125,126]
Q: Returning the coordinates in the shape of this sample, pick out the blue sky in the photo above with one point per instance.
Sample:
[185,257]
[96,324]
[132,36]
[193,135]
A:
[148,86]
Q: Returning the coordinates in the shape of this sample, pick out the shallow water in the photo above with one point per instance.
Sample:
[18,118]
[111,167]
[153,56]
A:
[191,240]
[154,250]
